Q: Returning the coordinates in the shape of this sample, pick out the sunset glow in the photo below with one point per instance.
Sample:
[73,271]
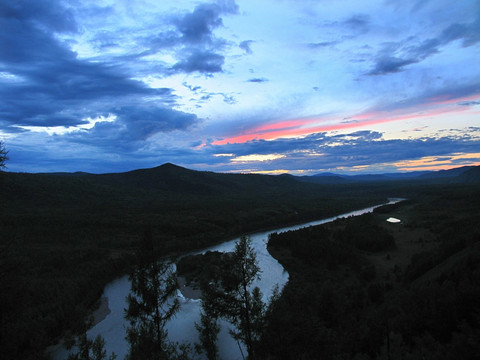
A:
[436,163]
[240,86]
[257,157]
[301,127]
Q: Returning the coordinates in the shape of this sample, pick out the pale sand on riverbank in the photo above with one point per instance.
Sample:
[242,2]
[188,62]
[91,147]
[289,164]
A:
[190,291]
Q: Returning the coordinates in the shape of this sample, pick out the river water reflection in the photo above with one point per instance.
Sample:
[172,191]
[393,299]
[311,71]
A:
[182,328]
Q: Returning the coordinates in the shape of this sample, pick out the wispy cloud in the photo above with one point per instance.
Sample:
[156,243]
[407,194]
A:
[257,80]
[246,46]
[408,110]
[395,56]
[439,163]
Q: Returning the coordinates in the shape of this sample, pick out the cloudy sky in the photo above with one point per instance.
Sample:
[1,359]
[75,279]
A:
[270,86]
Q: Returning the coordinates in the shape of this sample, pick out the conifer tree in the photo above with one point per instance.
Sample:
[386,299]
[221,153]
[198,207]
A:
[208,328]
[245,308]
[151,303]
[234,300]
[90,349]
[3,155]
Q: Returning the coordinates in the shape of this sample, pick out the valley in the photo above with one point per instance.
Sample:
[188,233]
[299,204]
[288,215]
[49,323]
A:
[65,236]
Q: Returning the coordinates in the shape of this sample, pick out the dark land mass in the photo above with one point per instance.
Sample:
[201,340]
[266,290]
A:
[456,175]
[363,288]
[196,271]
[64,236]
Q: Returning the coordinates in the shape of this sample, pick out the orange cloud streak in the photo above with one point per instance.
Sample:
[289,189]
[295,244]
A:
[436,163]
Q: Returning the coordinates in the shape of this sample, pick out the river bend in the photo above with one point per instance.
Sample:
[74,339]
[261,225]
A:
[181,328]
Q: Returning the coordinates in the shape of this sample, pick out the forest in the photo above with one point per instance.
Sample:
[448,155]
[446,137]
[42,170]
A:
[65,236]
[361,288]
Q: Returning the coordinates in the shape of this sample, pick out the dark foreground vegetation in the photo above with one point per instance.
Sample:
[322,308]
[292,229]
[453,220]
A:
[65,236]
[362,288]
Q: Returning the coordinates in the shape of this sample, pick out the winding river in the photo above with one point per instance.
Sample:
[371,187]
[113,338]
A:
[181,328]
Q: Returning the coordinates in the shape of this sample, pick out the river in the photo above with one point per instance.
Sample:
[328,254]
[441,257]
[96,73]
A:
[182,328]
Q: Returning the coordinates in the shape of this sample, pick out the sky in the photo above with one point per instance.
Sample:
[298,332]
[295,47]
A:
[270,86]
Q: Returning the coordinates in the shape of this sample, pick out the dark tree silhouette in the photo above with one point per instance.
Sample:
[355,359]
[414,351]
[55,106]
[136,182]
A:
[3,155]
[90,349]
[208,328]
[151,303]
[234,300]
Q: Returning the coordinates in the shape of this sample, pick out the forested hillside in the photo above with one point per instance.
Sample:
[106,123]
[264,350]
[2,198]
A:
[362,288]
[65,236]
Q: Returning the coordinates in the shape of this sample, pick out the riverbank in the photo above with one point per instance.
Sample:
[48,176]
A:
[101,312]
[378,303]
[190,290]
[84,236]
[182,329]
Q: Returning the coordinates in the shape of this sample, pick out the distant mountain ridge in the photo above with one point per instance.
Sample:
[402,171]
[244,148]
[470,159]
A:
[460,174]
[170,178]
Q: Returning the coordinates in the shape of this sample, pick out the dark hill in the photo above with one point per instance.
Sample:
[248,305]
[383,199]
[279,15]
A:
[325,179]
[457,175]
[170,178]
[165,178]
[445,174]
[65,235]
[164,187]
[471,175]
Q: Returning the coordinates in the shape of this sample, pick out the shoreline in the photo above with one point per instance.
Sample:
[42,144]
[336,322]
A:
[189,291]
[101,312]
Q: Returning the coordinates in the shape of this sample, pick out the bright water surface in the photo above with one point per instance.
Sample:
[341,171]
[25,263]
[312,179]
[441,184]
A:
[182,328]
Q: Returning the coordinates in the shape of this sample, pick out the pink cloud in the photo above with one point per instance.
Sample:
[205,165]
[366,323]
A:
[305,126]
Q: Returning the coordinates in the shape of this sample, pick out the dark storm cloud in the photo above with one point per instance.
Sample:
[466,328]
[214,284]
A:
[79,159]
[191,38]
[132,127]
[142,123]
[52,87]
[24,40]
[197,26]
[394,57]
[49,86]
[202,61]
[44,13]
[195,29]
